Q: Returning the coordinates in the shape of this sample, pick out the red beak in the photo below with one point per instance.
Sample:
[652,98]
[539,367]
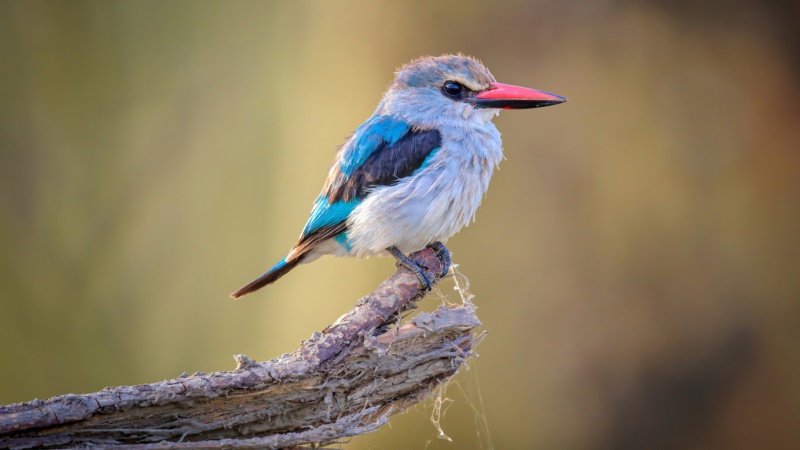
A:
[506,96]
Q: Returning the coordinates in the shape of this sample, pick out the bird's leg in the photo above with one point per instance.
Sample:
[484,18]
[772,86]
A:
[410,264]
[443,254]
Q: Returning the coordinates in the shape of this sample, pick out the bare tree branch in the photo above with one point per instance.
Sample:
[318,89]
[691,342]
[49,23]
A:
[344,381]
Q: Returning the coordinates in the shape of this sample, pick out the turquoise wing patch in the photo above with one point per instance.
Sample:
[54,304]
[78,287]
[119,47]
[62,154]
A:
[325,214]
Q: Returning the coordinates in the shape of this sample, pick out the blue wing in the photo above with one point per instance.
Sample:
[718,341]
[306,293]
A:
[380,152]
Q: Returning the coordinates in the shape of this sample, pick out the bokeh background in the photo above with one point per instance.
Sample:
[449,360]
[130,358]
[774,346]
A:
[636,261]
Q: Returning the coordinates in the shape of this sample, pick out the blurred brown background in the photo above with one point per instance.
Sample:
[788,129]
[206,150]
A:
[636,261]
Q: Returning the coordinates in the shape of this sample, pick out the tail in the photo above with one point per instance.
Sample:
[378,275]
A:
[280,269]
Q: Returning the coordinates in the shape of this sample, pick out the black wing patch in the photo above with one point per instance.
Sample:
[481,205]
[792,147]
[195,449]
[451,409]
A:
[384,166]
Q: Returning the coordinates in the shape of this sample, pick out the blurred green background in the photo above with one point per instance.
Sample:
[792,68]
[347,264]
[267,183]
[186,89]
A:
[636,261]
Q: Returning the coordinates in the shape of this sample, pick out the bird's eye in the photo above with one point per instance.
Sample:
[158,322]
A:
[452,88]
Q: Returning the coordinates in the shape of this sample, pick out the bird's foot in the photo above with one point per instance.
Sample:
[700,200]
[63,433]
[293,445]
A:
[444,256]
[410,264]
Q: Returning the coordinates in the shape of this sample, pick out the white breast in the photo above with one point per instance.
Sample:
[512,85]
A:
[436,202]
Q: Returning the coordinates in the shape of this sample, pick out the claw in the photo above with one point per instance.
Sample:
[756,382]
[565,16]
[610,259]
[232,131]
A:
[444,256]
[410,264]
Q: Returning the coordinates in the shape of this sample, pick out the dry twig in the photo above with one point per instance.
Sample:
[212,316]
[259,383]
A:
[344,381]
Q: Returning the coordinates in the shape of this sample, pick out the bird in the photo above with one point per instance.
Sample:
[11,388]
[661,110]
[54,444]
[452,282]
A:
[414,173]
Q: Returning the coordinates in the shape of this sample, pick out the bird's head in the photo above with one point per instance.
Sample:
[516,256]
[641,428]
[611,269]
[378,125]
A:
[453,89]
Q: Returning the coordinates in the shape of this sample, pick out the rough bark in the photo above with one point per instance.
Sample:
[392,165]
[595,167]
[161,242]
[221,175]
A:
[346,380]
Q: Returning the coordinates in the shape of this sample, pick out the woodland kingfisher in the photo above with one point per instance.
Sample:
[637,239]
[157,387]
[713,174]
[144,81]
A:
[415,172]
